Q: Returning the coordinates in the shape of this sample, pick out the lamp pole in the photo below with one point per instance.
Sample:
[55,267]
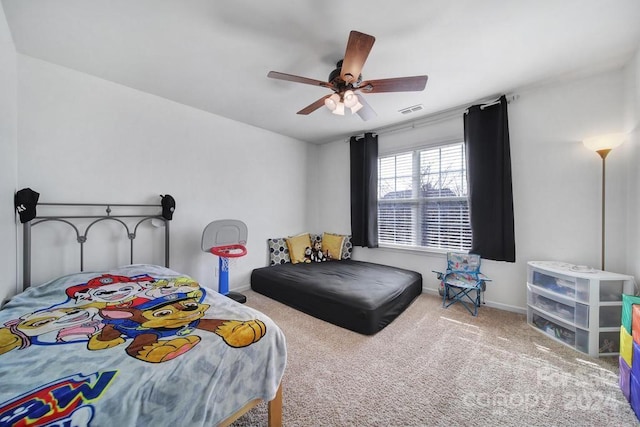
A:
[602,145]
[603,153]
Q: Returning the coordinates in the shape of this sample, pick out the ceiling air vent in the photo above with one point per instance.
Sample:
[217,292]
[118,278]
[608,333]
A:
[412,109]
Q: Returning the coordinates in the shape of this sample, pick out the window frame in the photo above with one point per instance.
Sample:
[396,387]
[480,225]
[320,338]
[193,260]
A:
[417,203]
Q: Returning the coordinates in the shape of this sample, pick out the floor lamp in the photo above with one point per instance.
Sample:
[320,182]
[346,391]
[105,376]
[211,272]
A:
[603,145]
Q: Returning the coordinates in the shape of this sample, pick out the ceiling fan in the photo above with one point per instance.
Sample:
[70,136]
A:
[346,80]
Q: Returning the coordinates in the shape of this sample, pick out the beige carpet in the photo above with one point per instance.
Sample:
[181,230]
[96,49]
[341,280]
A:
[438,367]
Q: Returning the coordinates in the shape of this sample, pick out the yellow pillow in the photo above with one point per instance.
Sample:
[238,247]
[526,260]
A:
[332,245]
[297,246]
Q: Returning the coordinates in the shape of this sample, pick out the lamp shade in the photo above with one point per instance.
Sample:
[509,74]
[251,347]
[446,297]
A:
[350,99]
[604,142]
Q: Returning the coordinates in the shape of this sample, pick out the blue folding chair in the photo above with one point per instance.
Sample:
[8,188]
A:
[461,280]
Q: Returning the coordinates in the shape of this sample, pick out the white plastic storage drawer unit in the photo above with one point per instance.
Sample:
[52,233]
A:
[577,306]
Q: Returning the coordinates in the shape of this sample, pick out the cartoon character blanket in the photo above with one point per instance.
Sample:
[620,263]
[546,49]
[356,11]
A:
[140,345]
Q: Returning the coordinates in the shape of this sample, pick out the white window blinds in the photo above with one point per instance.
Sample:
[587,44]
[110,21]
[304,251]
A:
[422,198]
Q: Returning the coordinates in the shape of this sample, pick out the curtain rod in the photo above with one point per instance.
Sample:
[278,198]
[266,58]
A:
[497,101]
[438,116]
[97,204]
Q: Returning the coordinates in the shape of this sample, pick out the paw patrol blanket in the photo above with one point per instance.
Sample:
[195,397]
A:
[137,346]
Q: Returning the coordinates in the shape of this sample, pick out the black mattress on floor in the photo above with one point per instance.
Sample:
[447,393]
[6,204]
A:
[361,296]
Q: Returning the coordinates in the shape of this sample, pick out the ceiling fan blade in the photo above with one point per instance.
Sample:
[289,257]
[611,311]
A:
[358,48]
[399,84]
[366,112]
[298,79]
[314,106]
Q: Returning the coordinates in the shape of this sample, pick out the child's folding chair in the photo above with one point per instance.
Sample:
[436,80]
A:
[461,280]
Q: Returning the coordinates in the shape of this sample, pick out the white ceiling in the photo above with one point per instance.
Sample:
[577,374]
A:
[214,55]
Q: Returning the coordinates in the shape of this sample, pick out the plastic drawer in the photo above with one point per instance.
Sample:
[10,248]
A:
[558,306]
[610,316]
[611,290]
[560,331]
[553,283]
[582,340]
[571,287]
[609,342]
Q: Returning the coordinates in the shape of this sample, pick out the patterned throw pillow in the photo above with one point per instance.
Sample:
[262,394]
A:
[347,247]
[278,251]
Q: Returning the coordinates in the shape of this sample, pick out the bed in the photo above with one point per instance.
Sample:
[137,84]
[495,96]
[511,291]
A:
[361,296]
[139,345]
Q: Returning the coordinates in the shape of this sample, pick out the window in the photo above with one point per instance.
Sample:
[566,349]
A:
[422,198]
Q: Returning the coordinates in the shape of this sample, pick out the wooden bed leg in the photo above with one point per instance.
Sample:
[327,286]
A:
[275,409]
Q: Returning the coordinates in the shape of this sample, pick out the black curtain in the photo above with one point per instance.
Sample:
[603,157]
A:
[486,136]
[364,190]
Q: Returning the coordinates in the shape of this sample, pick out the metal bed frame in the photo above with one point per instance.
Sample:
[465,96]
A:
[274,407]
[81,237]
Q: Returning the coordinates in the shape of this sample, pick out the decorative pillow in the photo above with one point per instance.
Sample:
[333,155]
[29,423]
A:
[332,245]
[278,251]
[347,247]
[297,246]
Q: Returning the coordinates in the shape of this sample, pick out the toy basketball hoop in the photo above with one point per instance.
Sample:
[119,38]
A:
[229,251]
[226,239]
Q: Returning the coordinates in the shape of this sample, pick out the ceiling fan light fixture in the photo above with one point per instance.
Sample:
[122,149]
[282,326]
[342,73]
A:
[350,99]
[339,109]
[332,102]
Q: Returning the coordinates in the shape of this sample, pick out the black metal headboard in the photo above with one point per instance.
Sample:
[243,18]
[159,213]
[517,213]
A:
[129,222]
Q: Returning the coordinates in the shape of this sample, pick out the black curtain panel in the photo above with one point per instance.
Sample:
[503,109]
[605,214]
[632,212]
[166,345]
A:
[364,190]
[486,136]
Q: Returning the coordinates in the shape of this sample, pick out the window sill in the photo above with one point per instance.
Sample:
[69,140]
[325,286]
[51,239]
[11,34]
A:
[416,249]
